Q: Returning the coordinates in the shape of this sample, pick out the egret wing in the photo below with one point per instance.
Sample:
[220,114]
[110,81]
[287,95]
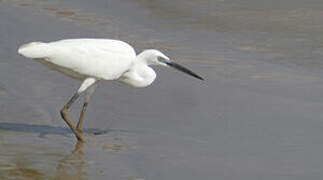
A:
[101,58]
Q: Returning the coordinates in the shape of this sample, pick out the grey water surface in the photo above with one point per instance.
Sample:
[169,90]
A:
[258,114]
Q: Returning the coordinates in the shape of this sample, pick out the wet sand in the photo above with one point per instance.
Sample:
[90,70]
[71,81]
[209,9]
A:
[258,115]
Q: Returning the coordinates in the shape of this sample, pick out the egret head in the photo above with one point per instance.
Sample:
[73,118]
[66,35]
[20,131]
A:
[155,57]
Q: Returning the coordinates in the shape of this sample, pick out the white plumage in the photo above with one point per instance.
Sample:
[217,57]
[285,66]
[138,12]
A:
[80,58]
[95,60]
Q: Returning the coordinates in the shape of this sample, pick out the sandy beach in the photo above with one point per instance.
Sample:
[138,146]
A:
[258,114]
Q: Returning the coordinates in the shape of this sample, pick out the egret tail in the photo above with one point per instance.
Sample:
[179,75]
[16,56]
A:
[34,50]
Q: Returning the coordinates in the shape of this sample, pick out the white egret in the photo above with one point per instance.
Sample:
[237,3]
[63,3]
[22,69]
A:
[96,60]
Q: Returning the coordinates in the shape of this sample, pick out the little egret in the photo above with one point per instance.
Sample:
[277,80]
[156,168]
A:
[96,60]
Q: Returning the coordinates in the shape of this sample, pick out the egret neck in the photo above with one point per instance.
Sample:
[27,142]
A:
[140,74]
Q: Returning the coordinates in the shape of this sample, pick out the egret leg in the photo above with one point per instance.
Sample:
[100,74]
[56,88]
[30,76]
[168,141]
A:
[88,94]
[79,126]
[68,120]
[87,83]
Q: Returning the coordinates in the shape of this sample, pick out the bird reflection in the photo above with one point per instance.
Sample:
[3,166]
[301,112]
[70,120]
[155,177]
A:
[72,166]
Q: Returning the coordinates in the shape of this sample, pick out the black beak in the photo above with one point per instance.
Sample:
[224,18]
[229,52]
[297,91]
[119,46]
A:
[183,69]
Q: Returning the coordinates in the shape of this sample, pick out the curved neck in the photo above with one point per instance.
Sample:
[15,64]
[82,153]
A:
[140,74]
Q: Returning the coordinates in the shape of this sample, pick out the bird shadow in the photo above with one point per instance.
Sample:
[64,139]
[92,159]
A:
[44,130]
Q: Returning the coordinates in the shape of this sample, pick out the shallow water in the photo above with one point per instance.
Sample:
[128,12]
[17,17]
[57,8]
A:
[258,115]
[205,31]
